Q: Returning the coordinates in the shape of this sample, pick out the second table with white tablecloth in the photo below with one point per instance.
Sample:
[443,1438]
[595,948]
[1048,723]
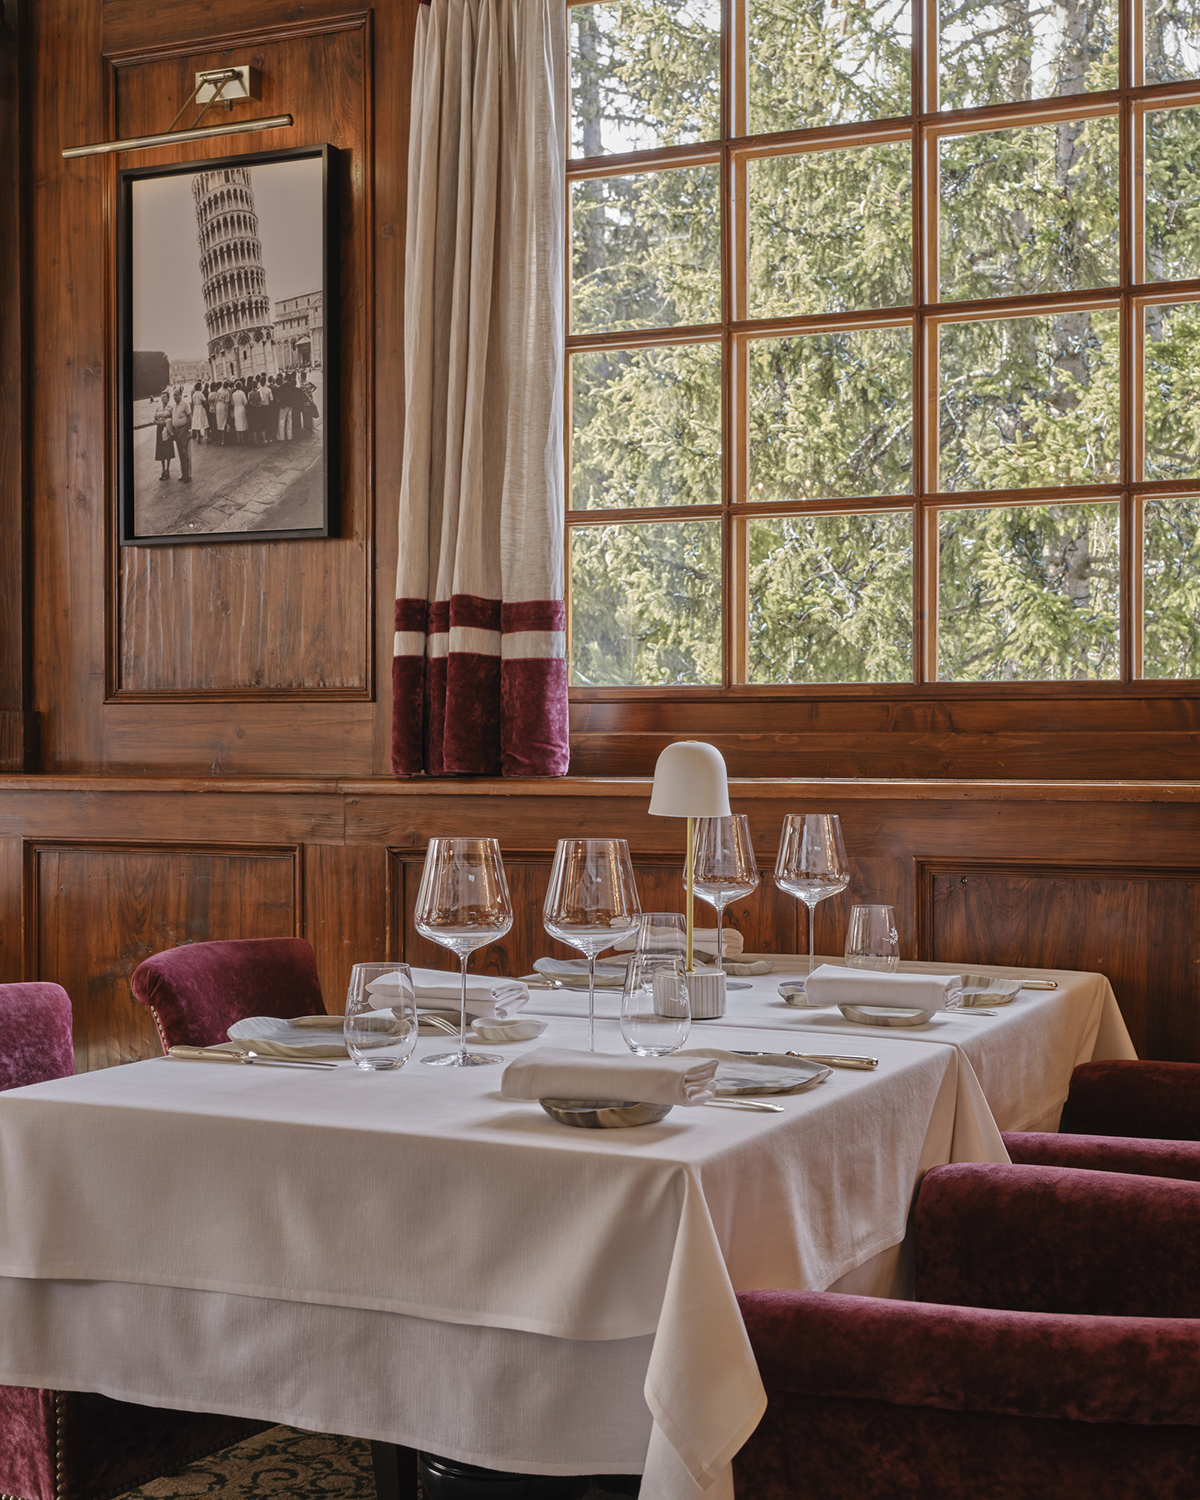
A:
[406,1257]
[1023,1056]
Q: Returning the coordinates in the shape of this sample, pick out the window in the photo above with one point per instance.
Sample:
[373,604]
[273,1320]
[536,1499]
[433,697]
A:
[884,342]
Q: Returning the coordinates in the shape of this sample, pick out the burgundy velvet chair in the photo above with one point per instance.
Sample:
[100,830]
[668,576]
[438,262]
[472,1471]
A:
[1123,1116]
[1053,1349]
[70,1445]
[197,992]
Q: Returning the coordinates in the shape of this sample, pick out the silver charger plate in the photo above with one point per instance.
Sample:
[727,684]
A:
[770,1075]
[572,973]
[989,989]
[603,1114]
[877,1015]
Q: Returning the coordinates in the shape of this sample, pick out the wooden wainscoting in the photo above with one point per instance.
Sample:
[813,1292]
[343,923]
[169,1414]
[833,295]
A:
[93,912]
[95,873]
[1141,927]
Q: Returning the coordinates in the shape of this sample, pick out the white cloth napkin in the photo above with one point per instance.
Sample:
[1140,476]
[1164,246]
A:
[830,985]
[442,990]
[704,940]
[561,1073]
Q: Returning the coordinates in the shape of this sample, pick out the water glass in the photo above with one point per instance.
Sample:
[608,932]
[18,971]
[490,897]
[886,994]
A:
[872,941]
[655,1013]
[662,932]
[381,1016]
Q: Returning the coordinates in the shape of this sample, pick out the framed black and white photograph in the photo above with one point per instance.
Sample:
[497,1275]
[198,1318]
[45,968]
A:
[228,349]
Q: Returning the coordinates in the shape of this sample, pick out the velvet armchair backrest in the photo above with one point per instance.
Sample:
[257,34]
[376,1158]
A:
[199,990]
[1151,1100]
[1045,1239]
[35,1034]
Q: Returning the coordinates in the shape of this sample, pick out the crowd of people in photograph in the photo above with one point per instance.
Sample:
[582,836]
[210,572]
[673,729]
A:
[252,412]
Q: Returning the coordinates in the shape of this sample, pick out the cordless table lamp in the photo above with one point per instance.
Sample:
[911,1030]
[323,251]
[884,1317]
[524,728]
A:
[690,782]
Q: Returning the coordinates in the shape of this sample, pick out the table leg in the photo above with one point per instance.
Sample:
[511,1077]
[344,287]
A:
[395,1471]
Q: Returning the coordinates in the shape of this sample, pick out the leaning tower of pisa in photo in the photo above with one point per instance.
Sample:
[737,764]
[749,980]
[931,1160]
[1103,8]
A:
[237,310]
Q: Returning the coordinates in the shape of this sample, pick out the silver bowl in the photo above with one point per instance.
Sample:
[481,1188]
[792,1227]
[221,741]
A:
[871,1015]
[603,1114]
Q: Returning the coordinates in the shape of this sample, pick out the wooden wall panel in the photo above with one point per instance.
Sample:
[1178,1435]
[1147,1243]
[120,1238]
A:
[346,908]
[1140,929]
[94,913]
[265,617]
[1050,881]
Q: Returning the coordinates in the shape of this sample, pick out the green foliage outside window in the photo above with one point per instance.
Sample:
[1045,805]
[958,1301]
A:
[1023,401]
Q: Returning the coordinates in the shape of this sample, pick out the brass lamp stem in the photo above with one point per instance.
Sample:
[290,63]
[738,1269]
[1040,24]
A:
[691,850]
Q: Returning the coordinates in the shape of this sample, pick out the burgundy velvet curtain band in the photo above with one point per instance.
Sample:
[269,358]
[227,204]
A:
[480,689]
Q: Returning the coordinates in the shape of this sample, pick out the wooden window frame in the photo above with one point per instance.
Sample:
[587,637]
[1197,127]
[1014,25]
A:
[924,127]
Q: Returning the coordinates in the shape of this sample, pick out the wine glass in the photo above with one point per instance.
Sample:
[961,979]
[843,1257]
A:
[463,904]
[724,868]
[872,941]
[381,1016]
[591,903]
[812,862]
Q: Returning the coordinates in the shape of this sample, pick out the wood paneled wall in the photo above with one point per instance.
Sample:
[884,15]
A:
[95,874]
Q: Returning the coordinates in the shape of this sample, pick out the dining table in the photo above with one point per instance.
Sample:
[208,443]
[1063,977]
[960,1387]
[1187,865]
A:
[409,1258]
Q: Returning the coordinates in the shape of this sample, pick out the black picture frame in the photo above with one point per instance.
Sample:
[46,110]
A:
[245,474]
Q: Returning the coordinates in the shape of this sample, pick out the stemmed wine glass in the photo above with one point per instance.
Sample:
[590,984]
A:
[463,904]
[724,868]
[812,862]
[591,903]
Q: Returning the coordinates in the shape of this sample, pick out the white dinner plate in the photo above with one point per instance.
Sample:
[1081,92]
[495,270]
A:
[762,1073]
[573,972]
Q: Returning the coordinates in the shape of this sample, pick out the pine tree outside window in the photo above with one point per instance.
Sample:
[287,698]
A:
[884,343]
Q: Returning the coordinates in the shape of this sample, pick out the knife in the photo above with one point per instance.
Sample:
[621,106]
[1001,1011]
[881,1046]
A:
[204,1054]
[851,1060]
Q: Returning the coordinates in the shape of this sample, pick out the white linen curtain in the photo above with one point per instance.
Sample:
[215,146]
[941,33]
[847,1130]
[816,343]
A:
[479,672]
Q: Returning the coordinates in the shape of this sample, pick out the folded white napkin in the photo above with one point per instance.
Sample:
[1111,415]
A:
[442,990]
[704,940]
[560,1073]
[830,985]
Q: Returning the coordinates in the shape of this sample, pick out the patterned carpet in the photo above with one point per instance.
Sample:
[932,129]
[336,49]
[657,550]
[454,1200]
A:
[284,1462]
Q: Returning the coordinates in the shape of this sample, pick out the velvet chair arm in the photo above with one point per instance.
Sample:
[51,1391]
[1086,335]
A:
[1105,1153]
[1038,1239]
[1142,1371]
[35,1034]
[870,1399]
[1148,1100]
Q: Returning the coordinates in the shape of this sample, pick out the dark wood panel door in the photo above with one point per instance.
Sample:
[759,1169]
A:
[1141,928]
[95,913]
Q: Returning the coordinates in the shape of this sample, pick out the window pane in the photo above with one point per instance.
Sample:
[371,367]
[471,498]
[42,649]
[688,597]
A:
[1172,40]
[644,74]
[994,51]
[1030,210]
[831,415]
[1172,195]
[1029,593]
[1029,401]
[830,231]
[1172,447]
[646,250]
[646,427]
[1171,587]
[815,62]
[831,598]
[646,604]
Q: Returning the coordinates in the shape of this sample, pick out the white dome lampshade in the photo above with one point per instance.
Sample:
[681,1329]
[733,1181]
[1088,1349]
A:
[690,781]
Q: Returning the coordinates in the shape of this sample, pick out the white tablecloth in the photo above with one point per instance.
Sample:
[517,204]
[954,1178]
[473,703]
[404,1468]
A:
[1023,1056]
[309,1247]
